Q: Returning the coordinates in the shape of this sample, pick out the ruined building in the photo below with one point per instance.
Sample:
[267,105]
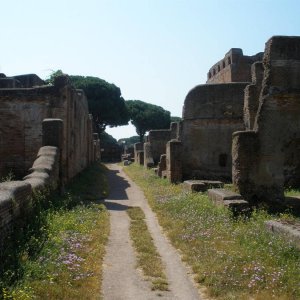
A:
[266,157]
[24,104]
[155,144]
[234,67]
[211,113]
[46,138]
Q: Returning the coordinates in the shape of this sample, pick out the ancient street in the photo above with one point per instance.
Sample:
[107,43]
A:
[121,279]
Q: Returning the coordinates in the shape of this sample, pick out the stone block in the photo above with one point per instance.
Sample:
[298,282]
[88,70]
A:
[229,199]
[237,205]
[291,231]
[218,196]
[195,185]
[127,162]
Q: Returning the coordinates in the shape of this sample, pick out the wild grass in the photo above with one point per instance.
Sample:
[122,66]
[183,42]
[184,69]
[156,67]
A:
[290,192]
[148,258]
[234,258]
[9,177]
[59,252]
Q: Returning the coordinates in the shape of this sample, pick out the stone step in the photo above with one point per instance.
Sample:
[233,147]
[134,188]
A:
[228,199]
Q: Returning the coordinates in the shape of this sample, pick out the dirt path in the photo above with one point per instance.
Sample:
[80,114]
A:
[121,279]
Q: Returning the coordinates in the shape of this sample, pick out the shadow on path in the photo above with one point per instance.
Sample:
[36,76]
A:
[117,188]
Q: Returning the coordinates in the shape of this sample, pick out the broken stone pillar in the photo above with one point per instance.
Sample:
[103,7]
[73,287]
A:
[148,159]
[140,157]
[162,165]
[137,147]
[174,161]
[245,151]
[252,92]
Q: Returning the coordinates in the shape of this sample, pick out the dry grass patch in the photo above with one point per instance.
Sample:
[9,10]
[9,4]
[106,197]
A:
[148,258]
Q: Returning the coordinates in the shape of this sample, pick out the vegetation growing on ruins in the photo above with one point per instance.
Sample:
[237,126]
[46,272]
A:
[234,258]
[145,116]
[9,177]
[58,255]
[147,256]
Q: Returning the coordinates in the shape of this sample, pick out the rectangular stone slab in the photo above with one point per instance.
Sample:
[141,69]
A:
[195,185]
[290,231]
[238,206]
[218,196]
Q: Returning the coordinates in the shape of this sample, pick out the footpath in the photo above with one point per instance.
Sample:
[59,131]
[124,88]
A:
[121,279]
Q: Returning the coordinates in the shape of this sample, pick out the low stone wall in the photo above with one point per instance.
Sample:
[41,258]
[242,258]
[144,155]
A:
[46,172]
[16,196]
[22,111]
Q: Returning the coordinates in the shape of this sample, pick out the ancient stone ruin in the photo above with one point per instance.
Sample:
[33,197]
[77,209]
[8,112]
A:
[211,113]
[46,138]
[155,144]
[266,157]
[234,67]
[243,124]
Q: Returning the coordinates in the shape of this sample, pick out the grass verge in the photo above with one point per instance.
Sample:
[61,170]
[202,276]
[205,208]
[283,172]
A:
[233,258]
[148,258]
[58,254]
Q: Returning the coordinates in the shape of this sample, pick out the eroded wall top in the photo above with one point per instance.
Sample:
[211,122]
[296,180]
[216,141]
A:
[234,67]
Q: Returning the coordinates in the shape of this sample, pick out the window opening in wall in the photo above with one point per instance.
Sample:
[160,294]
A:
[214,72]
[219,68]
[229,60]
[223,64]
[223,160]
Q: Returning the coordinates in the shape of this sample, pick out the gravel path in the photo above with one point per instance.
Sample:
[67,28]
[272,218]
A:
[121,279]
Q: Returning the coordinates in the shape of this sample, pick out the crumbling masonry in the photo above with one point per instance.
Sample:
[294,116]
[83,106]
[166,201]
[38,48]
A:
[45,135]
[266,158]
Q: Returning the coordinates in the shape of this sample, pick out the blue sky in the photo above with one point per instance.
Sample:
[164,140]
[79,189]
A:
[155,50]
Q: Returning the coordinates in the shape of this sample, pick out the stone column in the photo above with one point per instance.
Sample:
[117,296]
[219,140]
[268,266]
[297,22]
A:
[162,165]
[148,159]
[138,147]
[174,161]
